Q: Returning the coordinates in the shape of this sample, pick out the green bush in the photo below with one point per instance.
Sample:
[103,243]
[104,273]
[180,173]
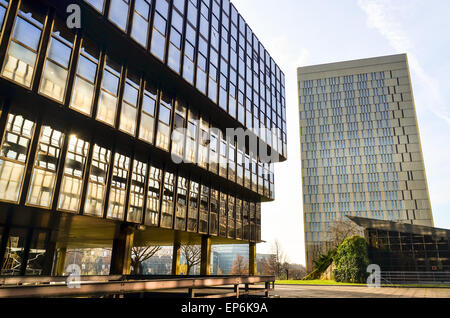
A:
[351,260]
[321,265]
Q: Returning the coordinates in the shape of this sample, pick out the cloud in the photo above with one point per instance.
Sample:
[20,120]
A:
[381,15]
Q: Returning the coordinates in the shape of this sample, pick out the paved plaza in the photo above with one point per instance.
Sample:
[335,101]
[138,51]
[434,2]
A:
[303,291]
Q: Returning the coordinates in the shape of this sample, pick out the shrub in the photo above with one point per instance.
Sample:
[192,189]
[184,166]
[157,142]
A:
[321,265]
[351,260]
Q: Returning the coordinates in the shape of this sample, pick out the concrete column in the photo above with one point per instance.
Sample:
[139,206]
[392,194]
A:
[176,257]
[205,265]
[121,252]
[60,261]
[252,259]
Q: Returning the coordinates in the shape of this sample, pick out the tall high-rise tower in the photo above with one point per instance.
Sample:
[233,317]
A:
[361,150]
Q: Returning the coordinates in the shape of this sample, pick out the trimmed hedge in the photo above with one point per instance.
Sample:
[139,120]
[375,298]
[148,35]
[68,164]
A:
[351,260]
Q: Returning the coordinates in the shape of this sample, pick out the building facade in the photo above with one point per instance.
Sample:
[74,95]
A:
[91,119]
[400,247]
[360,147]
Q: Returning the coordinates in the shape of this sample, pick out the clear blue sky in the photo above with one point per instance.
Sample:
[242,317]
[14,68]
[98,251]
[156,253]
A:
[305,32]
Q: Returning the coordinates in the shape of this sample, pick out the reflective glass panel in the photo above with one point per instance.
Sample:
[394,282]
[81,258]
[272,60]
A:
[13,156]
[84,85]
[118,192]
[72,181]
[98,178]
[21,56]
[43,177]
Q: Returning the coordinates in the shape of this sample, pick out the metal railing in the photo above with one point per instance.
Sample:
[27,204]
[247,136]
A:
[435,278]
[39,286]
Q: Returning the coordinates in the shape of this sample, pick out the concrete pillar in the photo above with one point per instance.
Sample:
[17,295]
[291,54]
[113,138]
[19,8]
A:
[205,264]
[121,252]
[60,261]
[252,259]
[176,257]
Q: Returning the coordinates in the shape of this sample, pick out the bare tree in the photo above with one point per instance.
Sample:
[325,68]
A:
[267,266]
[278,259]
[240,266]
[339,230]
[296,271]
[140,255]
[192,253]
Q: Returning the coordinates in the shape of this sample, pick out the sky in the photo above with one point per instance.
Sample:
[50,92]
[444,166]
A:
[304,32]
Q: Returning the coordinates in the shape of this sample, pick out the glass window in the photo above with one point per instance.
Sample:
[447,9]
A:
[240,167]
[213,216]
[141,18]
[223,158]
[118,192]
[238,218]
[201,65]
[180,210]
[153,196]
[260,179]
[231,162]
[190,43]
[43,177]
[164,122]
[3,9]
[191,138]
[213,151]
[118,13]
[98,178]
[223,215]
[167,206]
[176,32]
[258,222]
[97,4]
[204,141]
[72,180]
[38,253]
[254,170]
[204,210]
[193,207]
[107,104]
[21,56]
[231,217]
[245,220]
[56,68]
[147,125]
[252,221]
[14,253]
[247,175]
[179,126]
[213,75]
[86,74]
[158,45]
[14,155]
[137,192]
[129,105]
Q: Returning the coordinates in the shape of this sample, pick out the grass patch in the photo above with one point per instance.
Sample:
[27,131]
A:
[314,282]
[333,283]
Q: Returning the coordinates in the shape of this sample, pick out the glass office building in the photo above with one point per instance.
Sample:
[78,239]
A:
[360,147]
[87,122]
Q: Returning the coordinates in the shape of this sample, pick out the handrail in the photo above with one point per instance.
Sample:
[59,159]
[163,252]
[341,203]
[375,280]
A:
[416,277]
[112,285]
